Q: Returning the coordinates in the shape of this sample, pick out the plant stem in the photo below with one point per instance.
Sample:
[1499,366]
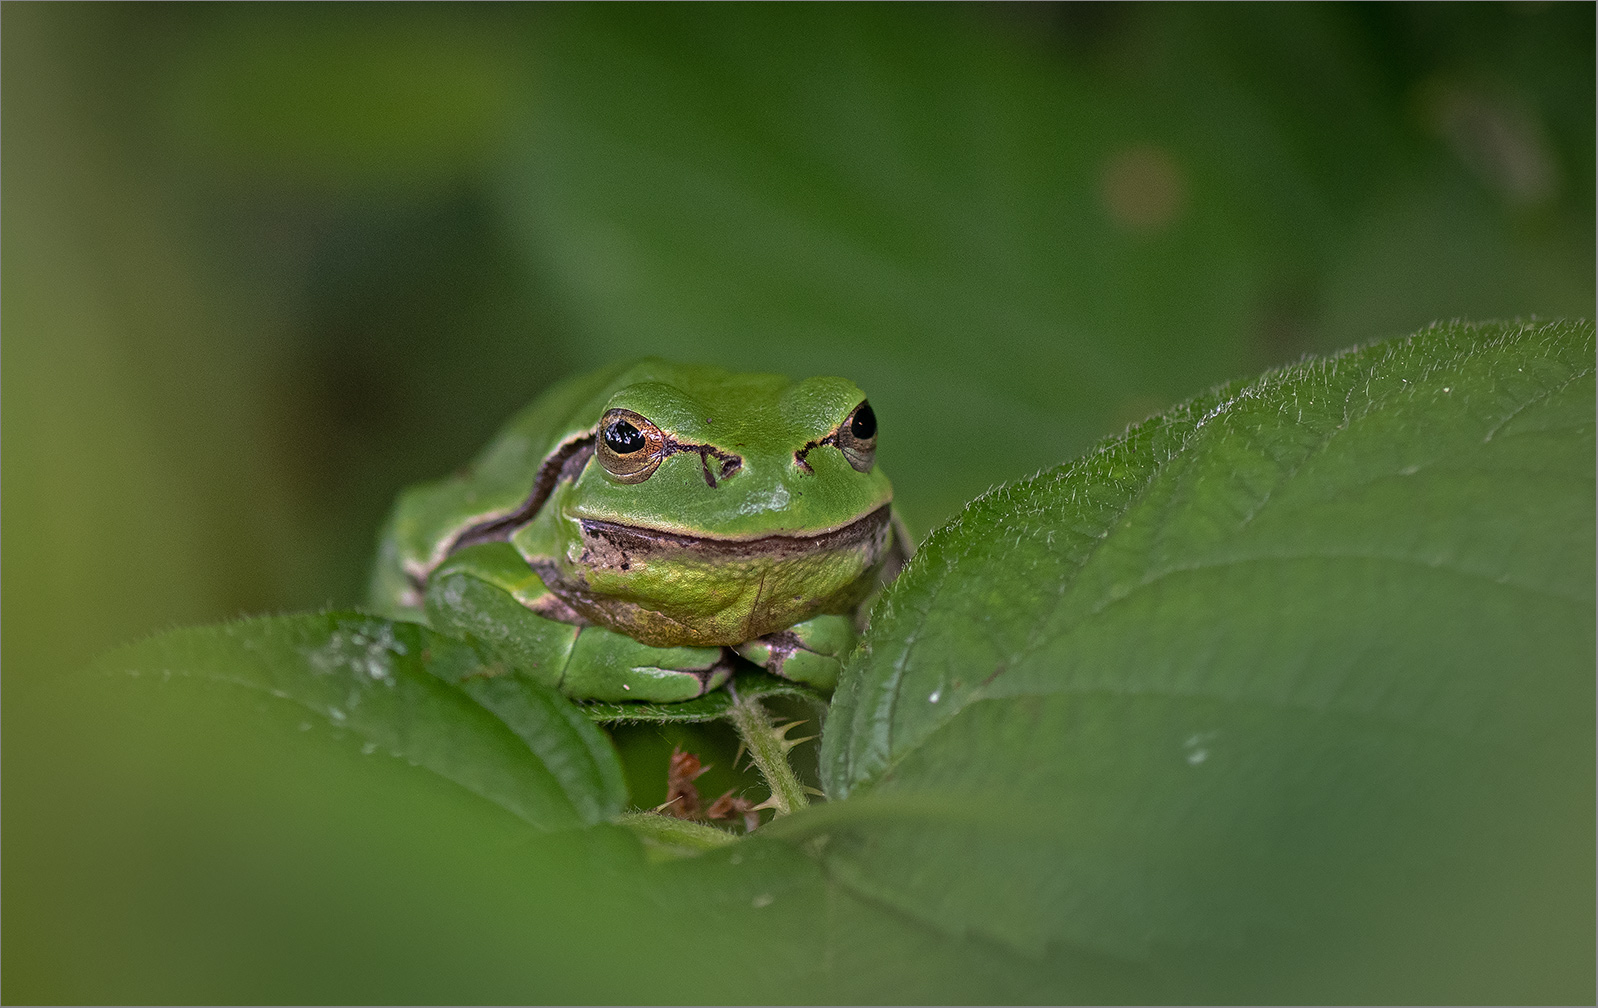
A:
[674,837]
[769,749]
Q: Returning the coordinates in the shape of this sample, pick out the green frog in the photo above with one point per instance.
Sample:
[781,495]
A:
[631,530]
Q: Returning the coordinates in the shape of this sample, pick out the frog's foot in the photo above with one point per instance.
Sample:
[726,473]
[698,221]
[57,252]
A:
[606,665]
[487,594]
[811,652]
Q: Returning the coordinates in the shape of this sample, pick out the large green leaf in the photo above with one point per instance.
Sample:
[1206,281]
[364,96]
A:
[411,693]
[1302,666]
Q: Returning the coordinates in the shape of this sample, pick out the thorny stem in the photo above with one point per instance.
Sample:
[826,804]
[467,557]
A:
[768,747]
[677,836]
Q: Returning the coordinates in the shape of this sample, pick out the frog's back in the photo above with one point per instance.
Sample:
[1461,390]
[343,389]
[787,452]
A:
[427,516]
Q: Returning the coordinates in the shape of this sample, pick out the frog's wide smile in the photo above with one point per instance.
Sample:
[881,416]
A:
[628,540]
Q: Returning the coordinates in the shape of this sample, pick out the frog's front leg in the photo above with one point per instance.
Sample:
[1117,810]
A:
[606,665]
[811,652]
[488,594]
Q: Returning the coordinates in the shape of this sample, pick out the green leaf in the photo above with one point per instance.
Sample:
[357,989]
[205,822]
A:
[394,685]
[1295,677]
[710,707]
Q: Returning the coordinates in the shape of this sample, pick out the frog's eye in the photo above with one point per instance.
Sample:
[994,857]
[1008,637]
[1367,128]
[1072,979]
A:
[630,447]
[857,437]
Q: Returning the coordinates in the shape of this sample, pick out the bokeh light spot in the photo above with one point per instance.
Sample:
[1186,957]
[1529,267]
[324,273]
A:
[1142,189]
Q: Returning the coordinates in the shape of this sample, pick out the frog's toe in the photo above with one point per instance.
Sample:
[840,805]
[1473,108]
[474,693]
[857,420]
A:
[810,652]
[609,666]
[679,683]
[784,653]
[645,683]
[810,668]
[718,674]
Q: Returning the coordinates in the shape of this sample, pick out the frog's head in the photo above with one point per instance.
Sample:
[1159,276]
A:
[717,507]
[732,456]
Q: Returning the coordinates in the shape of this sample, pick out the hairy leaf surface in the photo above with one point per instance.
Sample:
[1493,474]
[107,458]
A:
[1308,655]
[509,740]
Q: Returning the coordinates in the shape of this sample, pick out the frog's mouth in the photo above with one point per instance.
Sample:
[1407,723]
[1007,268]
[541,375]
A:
[616,545]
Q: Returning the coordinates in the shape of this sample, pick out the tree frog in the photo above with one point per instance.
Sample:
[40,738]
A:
[631,529]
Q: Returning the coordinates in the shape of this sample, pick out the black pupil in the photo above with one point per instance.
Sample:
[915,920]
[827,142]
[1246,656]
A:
[623,438]
[864,424]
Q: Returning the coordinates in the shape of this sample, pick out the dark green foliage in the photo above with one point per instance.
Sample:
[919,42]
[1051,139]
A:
[1279,697]
[1311,721]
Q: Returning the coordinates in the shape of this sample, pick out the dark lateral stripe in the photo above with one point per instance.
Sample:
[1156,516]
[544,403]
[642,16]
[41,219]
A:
[564,463]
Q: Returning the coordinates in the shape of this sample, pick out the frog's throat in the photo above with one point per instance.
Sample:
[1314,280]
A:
[600,586]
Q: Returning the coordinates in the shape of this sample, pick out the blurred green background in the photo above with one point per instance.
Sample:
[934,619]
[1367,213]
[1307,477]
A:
[267,264]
